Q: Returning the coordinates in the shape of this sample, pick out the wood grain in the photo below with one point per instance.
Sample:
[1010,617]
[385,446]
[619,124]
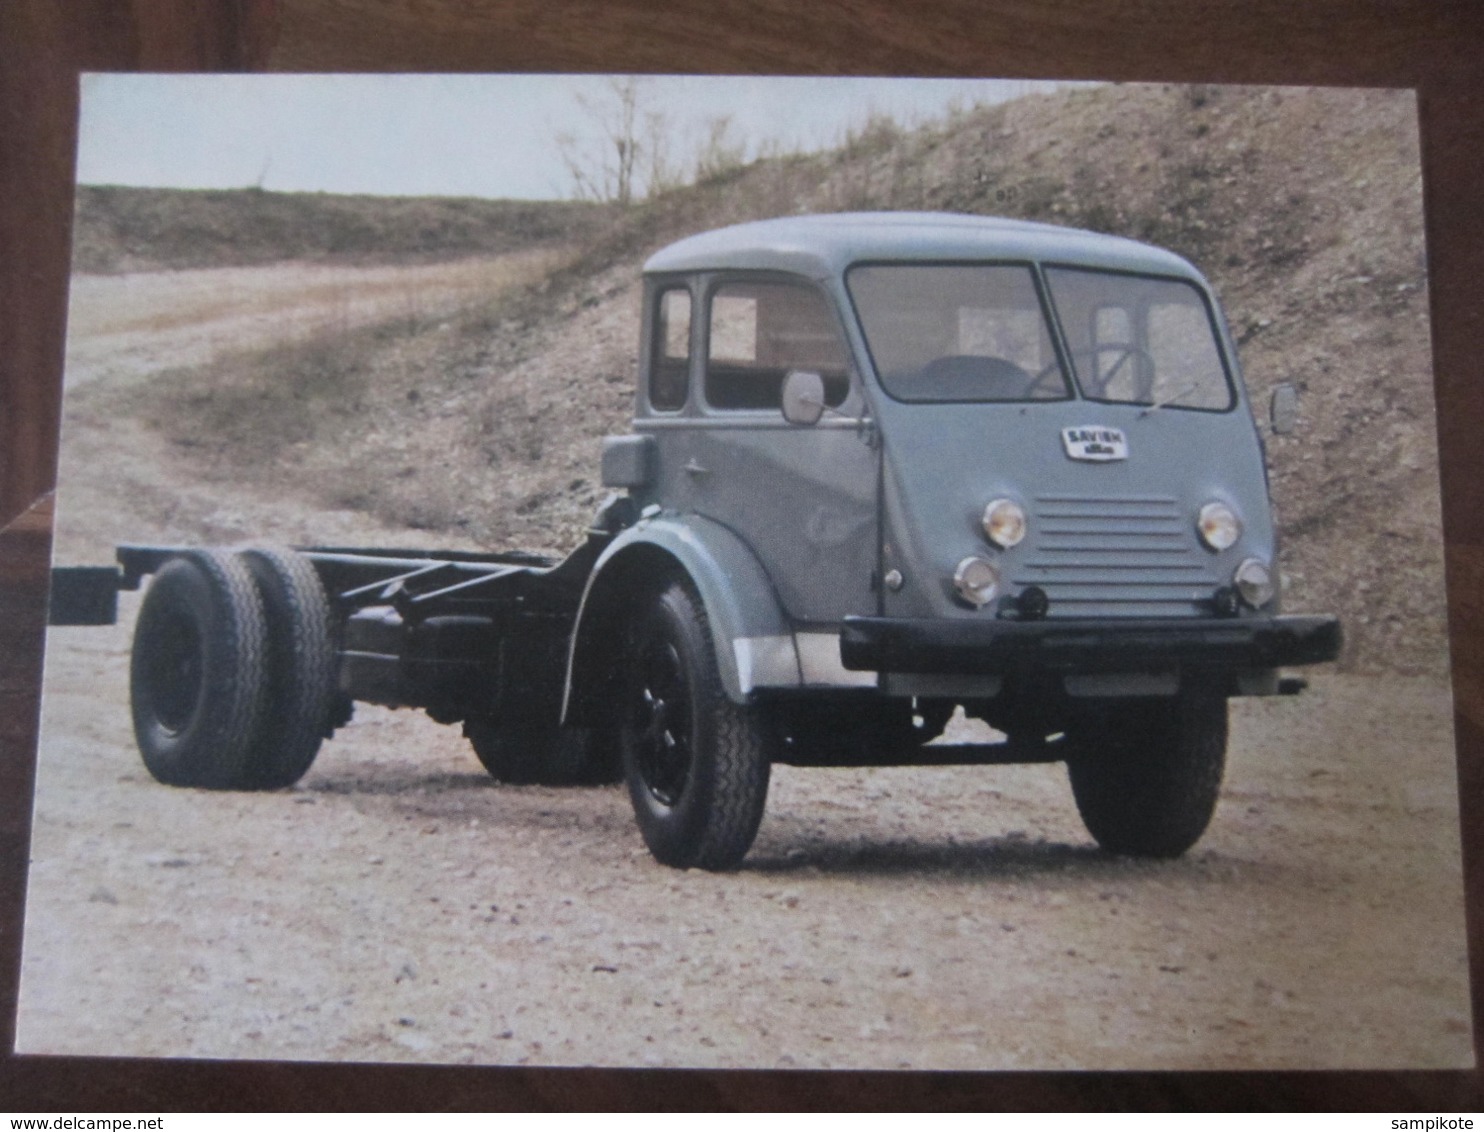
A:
[1435,46]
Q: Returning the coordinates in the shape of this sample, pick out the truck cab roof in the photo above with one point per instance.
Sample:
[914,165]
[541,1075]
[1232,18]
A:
[825,245]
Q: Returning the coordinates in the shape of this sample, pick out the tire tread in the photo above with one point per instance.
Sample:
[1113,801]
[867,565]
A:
[1146,782]
[215,752]
[725,798]
[301,673]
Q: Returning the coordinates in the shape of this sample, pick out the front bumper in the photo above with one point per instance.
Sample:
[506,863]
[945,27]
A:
[893,644]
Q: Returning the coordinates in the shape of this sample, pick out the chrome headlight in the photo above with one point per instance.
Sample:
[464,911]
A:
[1254,581]
[1218,526]
[977,581]
[1004,523]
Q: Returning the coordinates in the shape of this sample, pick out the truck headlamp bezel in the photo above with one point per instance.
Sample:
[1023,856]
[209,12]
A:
[977,581]
[1218,526]
[1004,523]
[1254,582]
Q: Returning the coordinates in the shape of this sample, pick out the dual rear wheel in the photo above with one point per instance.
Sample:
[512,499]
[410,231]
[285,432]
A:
[232,677]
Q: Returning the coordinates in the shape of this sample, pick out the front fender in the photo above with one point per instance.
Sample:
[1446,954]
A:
[754,641]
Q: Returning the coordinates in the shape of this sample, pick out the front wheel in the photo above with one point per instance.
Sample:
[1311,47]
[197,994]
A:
[1146,775]
[696,764]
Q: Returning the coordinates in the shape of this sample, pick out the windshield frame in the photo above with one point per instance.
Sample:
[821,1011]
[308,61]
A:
[1213,323]
[1043,300]
[1059,341]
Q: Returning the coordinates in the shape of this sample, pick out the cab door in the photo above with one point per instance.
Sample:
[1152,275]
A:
[804,498]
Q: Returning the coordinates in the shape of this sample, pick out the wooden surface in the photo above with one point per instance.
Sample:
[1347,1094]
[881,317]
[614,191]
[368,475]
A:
[1434,46]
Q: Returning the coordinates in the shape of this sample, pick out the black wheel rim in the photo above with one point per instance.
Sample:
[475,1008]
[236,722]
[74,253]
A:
[173,671]
[661,722]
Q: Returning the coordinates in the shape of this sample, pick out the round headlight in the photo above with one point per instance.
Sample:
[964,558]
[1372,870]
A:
[1254,581]
[977,581]
[1218,526]
[1004,523]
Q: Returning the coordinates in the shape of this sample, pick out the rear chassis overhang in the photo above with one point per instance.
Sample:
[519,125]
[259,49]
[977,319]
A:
[1001,647]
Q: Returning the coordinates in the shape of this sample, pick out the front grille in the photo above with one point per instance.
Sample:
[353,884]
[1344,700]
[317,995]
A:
[1117,556]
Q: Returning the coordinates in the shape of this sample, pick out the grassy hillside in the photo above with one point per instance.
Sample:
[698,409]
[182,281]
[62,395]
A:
[1303,206]
[128,229]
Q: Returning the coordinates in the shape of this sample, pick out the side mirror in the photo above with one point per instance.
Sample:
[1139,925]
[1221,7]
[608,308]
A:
[1283,409]
[803,397]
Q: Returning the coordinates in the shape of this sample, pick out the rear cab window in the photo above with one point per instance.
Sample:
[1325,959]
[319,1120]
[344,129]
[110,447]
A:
[670,351]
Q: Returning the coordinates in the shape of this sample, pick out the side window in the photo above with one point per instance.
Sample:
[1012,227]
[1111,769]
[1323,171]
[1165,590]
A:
[669,370]
[761,331]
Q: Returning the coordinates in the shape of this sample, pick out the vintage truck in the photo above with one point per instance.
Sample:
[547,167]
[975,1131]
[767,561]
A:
[882,466]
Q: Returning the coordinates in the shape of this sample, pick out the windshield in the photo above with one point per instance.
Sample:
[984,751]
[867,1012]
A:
[1139,340]
[957,332]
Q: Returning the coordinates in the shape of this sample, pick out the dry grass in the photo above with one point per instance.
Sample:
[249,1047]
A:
[122,229]
[304,301]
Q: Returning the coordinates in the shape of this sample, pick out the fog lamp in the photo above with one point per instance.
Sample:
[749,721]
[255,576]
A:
[1218,526]
[1254,582]
[976,580]
[1004,523]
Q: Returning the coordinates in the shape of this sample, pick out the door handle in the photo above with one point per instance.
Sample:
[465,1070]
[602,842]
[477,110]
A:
[694,469]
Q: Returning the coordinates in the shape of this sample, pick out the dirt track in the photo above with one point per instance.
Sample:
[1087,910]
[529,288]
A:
[396,905]
[126,327]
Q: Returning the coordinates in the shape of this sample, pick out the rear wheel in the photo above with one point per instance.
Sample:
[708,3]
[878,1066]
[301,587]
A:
[1146,775]
[537,752]
[197,675]
[300,671]
[696,764]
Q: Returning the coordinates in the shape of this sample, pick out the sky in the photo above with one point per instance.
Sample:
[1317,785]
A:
[453,135]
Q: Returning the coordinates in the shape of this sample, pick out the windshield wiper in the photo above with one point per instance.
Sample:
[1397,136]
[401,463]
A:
[1171,399]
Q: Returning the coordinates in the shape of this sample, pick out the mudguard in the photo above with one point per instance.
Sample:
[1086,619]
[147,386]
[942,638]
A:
[754,641]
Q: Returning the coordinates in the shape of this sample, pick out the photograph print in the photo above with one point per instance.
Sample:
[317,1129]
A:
[747,572]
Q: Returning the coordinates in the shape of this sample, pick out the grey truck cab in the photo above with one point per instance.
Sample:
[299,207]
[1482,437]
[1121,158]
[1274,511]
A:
[887,465]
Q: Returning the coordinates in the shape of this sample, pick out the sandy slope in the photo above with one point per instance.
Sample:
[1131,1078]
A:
[122,481]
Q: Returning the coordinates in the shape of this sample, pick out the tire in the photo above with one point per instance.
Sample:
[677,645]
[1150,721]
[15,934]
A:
[301,670]
[529,752]
[696,764]
[197,675]
[1146,776]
